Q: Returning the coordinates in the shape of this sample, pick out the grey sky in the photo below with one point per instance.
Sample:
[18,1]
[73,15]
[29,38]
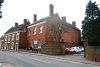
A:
[17,10]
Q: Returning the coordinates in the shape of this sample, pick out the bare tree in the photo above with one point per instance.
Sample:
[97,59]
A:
[55,30]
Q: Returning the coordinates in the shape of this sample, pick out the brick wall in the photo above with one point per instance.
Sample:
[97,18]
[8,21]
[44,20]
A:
[72,37]
[31,36]
[23,40]
[92,53]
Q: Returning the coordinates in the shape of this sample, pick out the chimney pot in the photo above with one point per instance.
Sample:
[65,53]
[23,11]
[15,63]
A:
[35,18]
[16,24]
[25,21]
[64,18]
[51,10]
[74,23]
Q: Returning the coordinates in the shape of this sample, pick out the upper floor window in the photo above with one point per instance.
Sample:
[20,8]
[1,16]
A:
[12,36]
[41,29]
[34,30]
[9,37]
[17,36]
[6,38]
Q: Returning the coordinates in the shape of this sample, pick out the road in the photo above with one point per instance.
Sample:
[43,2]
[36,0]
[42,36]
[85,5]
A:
[25,59]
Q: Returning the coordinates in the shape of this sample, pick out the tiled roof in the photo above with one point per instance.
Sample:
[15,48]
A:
[43,19]
[68,25]
[13,29]
[56,16]
[2,37]
[19,27]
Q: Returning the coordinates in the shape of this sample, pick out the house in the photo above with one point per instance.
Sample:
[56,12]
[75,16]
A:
[37,32]
[2,42]
[16,37]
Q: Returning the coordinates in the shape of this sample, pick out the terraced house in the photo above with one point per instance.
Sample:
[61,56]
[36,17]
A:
[37,32]
[15,37]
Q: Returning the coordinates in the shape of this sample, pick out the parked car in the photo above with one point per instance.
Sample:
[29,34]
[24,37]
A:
[76,49]
[82,49]
[69,51]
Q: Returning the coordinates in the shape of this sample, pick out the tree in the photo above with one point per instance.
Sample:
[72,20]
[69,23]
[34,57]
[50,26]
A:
[91,24]
[55,30]
[1,1]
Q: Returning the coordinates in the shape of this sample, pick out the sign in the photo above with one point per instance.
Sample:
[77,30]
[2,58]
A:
[35,42]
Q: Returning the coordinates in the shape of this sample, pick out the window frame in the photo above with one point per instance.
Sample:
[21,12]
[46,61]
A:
[17,36]
[41,29]
[34,31]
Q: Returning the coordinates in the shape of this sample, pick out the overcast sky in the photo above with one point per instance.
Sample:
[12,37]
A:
[17,10]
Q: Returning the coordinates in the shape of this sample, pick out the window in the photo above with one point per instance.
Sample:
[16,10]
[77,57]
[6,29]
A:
[6,38]
[12,36]
[17,36]
[41,29]
[34,30]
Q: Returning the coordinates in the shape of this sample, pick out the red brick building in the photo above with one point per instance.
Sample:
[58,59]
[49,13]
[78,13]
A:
[16,37]
[37,31]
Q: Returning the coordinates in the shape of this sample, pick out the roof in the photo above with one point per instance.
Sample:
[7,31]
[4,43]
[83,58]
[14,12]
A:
[56,16]
[2,37]
[13,29]
[44,19]
[18,28]
[68,25]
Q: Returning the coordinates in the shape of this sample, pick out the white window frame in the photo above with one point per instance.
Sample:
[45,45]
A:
[41,28]
[12,37]
[17,36]
[9,37]
[34,30]
[6,38]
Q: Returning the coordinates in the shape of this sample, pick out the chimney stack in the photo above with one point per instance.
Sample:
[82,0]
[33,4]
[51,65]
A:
[74,23]
[16,24]
[51,10]
[64,18]
[35,18]
[25,21]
